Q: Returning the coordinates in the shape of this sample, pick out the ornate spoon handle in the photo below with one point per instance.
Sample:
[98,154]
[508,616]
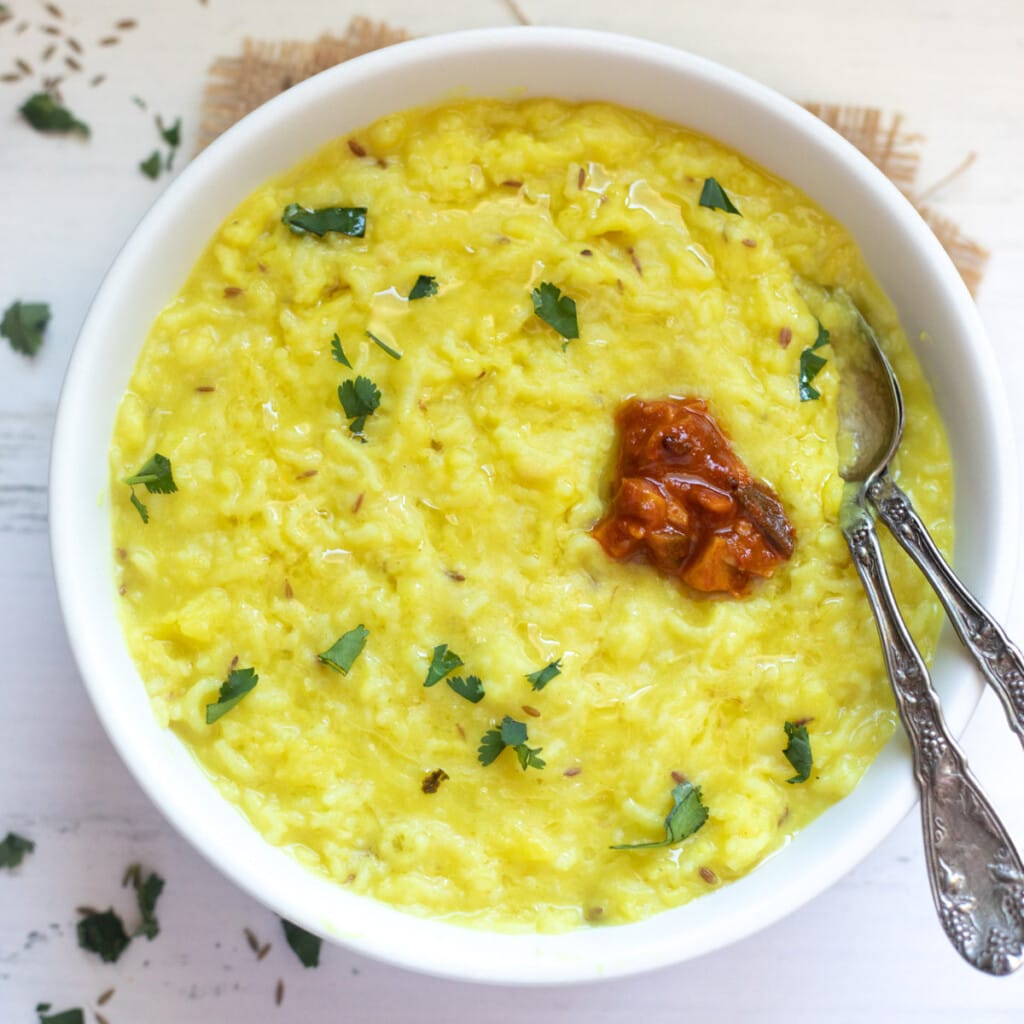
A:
[976,875]
[997,657]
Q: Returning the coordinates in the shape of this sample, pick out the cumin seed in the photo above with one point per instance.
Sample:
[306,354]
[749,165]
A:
[105,998]
[356,148]
[279,992]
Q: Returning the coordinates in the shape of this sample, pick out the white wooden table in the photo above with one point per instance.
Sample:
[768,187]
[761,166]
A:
[867,950]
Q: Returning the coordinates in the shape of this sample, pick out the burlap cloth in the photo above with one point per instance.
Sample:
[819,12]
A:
[239,84]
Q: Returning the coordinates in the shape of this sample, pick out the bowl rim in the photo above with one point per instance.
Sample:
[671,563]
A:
[519,959]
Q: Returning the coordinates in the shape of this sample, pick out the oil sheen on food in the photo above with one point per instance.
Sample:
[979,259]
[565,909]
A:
[463,515]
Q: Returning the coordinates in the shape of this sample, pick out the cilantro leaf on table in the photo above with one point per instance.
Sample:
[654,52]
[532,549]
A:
[713,196]
[343,653]
[343,220]
[443,662]
[424,287]
[338,352]
[556,309]
[509,734]
[305,945]
[240,681]
[471,688]
[13,850]
[75,1016]
[152,165]
[541,678]
[798,752]
[23,326]
[688,814]
[359,398]
[811,365]
[45,114]
[103,933]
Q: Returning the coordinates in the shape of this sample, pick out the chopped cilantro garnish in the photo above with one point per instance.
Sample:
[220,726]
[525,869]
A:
[424,287]
[541,678]
[147,892]
[238,683]
[156,475]
[74,1016]
[713,196]
[152,165]
[509,734]
[13,850]
[686,817]
[359,398]
[23,325]
[45,114]
[556,309]
[443,662]
[338,352]
[798,752]
[380,344]
[471,688]
[305,945]
[810,366]
[345,650]
[103,934]
[344,220]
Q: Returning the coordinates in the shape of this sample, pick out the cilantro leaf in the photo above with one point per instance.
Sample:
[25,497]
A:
[688,814]
[491,745]
[45,114]
[359,398]
[13,850]
[443,662]
[152,165]
[713,196]
[810,366]
[509,734]
[345,650]
[798,752]
[103,934]
[147,892]
[344,220]
[23,325]
[238,683]
[74,1016]
[387,348]
[556,309]
[471,688]
[156,474]
[305,945]
[338,352]
[541,678]
[528,756]
[424,287]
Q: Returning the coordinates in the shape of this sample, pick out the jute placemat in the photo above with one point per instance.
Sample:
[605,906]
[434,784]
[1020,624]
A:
[239,84]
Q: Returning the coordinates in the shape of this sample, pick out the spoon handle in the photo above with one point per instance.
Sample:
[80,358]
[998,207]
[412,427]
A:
[997,657]
[976,875]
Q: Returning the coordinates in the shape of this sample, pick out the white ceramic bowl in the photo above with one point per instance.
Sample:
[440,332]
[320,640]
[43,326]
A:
[904,255]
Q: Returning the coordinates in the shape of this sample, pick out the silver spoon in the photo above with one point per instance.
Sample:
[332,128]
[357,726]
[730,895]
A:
[976,875]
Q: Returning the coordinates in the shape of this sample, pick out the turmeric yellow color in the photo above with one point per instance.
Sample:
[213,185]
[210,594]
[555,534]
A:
[461,514]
